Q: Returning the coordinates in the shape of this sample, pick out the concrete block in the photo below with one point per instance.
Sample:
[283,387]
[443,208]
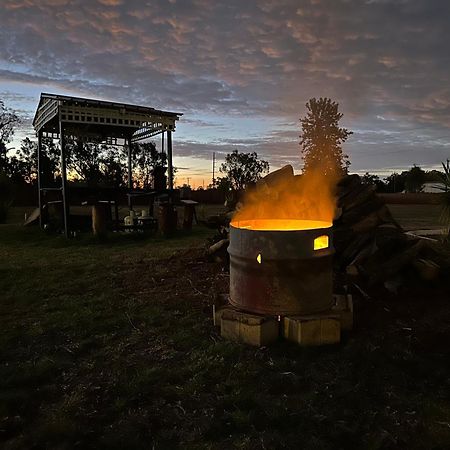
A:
[218,311]
[343,306]
[313,330]
[250,329]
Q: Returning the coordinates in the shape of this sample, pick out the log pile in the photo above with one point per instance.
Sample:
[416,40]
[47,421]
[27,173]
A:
[370,245]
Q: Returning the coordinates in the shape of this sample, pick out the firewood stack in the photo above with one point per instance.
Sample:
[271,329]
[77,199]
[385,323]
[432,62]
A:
[370,245]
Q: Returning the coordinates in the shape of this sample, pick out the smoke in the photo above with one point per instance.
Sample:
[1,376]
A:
[285,196]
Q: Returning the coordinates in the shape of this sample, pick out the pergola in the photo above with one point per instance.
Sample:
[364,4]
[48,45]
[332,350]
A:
[61,116]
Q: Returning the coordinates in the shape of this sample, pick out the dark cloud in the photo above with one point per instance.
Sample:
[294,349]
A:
[386,62]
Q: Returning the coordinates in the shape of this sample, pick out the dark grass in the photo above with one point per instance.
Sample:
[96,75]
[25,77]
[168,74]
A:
[111,345]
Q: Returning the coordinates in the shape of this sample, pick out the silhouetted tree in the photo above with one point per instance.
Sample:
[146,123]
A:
[242,169]
[395,183]
[322,138]
[113,170]
[222,184]
[50,165]
[84,160]
[374,180]
[414,179]
[148,163]
[8,122]
[27,154]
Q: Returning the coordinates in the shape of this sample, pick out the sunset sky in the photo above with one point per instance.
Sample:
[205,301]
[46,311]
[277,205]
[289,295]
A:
[242,71]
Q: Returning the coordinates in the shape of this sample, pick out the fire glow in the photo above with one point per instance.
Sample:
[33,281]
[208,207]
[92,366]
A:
[290,203]
[280,224]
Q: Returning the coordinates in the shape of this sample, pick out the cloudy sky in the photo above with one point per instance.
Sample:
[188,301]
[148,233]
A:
[242,71]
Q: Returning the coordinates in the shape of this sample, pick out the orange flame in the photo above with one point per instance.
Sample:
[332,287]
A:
[307,197]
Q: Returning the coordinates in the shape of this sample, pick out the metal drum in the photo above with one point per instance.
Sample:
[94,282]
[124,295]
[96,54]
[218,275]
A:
[281,267]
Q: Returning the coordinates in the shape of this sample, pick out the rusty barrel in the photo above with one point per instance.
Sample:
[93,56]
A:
[281,267]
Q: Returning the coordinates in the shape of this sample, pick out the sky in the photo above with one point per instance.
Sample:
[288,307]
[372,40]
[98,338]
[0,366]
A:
[241,71]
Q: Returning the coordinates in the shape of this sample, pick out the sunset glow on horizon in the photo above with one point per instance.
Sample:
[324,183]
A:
[242,72]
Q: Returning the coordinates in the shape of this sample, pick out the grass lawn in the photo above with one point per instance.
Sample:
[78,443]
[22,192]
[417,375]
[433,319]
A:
[111,345]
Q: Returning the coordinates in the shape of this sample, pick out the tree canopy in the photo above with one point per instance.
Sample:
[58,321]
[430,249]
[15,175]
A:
[242,169]
[322,137]
[149,164]
[8,122]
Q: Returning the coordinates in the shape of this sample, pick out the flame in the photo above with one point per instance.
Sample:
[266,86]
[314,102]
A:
[290,202]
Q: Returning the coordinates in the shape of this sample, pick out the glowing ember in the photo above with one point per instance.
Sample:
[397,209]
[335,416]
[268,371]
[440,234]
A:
[282,225]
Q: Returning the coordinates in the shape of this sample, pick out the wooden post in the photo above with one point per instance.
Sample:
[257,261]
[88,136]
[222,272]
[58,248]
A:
[39,186]
[169,159]
[66,205]
[130,174]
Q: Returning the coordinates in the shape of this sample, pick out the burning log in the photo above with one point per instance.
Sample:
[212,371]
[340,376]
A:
[274,178]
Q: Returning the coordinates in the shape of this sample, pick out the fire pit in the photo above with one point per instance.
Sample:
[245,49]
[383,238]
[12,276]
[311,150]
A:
[281,250]
[281,267]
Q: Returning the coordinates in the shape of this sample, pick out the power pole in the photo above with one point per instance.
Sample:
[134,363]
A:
[214,169]
[188,181]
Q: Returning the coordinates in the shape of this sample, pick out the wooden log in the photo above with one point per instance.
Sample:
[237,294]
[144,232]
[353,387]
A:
[275,177]
[218,246]
[342,236]
[367,251]
[348,182]
[100,219]
[427,269]
[337,214]
[168,219]
[188,216]
[347,185]
[358,243]
[377,272]
[368,223]
[372,220]
[355,214]
[357,196]
[352,270]
[388,235]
